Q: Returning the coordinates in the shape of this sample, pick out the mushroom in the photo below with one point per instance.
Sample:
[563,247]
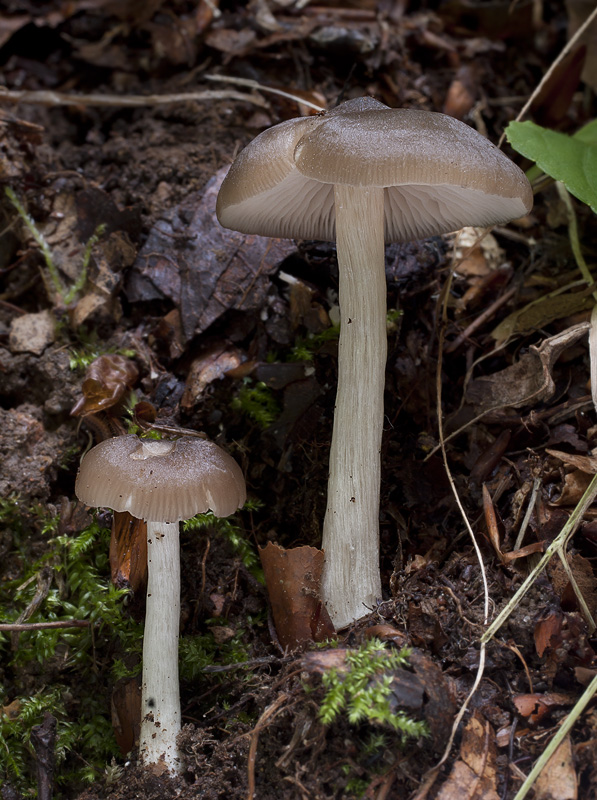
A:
[161,482]
[363,174]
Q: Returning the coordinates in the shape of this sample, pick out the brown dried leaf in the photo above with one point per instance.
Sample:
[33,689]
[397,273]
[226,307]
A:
[474,775]
[126,714]
[211,271]
[534,707]
[538,314]
[293,580]
[208,367]
[128,551]
[575,485]
[107,380]
[548,629]
[492,523]
[529,380]
[583,574]
[557,780]
[586,464]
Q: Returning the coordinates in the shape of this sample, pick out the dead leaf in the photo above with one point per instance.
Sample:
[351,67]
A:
[126,714]
[586,464]
[293,580]
[212,365]
[539,313]
[575,485]
[548,630]
[584,575]
[474,775]
[557,780]
[128,551]
[203,268]
[107,380]
[527,381]
[534,707]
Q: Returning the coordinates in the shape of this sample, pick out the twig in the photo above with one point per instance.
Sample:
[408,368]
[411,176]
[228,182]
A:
[254,662]
[270,712]
[46,98]
[40,626]
[481,667]
[481,319]
[527,516]
[260,87]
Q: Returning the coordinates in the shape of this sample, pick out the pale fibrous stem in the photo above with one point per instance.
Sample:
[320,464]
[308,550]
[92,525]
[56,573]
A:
[351,580]
[160,696]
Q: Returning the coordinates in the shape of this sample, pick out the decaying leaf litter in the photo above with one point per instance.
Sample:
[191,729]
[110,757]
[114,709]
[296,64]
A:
[179,324]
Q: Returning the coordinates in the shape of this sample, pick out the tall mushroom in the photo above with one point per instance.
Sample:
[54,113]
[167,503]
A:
[162,482]
[363,174]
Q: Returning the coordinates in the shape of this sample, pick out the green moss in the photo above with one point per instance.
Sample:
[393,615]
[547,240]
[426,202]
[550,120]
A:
[227,528]
[70,581]
[362,692]
[257,402]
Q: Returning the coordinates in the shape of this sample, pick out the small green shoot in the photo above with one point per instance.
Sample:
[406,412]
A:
[66,294]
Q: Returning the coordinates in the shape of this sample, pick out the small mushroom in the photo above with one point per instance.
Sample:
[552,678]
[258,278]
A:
[162,482]
[363,174]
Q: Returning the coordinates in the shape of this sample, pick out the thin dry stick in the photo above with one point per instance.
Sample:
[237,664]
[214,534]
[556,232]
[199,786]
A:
[41,626]
[527,517]
[270,712]
[261,88]
[46,98]
[565,50]
[481,667]
[481,319]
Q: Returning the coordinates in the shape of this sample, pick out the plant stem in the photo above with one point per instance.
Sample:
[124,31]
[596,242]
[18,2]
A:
[160,698]
[351,579]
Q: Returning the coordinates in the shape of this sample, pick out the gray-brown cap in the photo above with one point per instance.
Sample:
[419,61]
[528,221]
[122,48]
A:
[161,481]
[438,173]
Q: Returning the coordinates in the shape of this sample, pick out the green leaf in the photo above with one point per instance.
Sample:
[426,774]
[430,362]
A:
[569,159]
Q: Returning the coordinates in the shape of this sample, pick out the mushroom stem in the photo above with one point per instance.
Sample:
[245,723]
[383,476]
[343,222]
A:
[160,698]
[351,578]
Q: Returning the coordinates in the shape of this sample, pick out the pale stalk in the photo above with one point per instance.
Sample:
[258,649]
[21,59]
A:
[160,697]
[351,579]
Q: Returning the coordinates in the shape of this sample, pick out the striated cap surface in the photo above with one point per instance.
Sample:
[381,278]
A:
[161,481]
[438,174]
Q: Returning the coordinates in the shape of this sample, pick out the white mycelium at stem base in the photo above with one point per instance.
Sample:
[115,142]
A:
[160,700]
[351,577]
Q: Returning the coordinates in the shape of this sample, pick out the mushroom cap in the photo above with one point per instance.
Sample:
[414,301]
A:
[438,174]
[161,481]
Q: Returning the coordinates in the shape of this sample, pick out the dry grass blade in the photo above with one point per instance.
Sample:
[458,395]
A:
[50,98]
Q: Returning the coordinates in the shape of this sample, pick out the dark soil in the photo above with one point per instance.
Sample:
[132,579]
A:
[144,173]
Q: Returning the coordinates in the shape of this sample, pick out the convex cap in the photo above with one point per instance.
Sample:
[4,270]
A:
[161,481]
[439,174]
